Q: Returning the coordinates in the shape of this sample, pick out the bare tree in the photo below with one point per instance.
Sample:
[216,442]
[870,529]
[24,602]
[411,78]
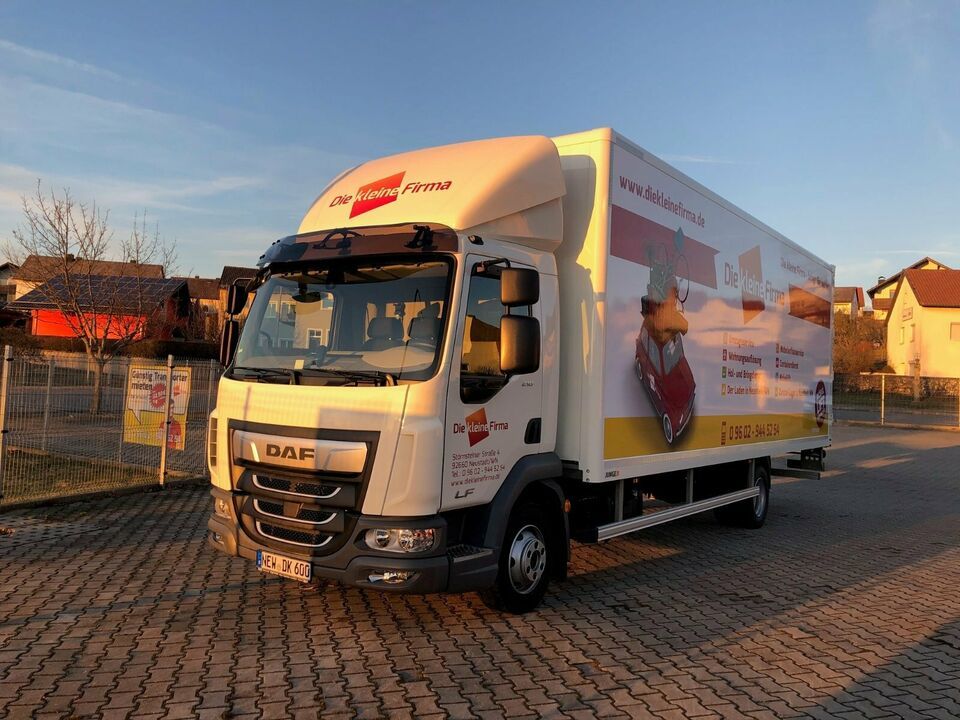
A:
[65,244]
[858,343]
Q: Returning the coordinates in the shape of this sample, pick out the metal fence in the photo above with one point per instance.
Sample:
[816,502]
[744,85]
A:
[55,442]
[903,399]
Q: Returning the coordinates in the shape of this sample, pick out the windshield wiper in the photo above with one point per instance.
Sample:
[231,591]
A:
[294,374]
[261,374]
[382,378]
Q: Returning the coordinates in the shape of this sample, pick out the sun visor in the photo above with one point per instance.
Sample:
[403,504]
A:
[505,187]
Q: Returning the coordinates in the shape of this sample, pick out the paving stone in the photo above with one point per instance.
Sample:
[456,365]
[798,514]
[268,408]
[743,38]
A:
[844,605]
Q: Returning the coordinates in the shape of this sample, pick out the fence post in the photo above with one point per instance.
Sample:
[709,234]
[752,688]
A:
[4,395]
[46,406]
[167,407]
[883,396]
[123,409]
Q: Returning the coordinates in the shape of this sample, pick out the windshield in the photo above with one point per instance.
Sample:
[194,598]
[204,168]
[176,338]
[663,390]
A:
[672,352]
[346,320]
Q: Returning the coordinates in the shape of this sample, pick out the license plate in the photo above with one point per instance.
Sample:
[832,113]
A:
[274,564]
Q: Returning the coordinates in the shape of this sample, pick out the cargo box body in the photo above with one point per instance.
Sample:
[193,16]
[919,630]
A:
[691,333]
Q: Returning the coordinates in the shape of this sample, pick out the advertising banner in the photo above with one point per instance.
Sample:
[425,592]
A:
[144,410]
[718,331]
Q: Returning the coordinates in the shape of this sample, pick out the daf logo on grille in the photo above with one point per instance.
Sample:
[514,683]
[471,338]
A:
[312,454]
[289,452]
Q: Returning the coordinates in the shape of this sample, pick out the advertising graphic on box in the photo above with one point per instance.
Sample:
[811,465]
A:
[718,330]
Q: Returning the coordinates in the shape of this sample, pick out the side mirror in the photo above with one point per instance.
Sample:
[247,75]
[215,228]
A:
[519,287]
[229,337]
[236,299]
[519,344]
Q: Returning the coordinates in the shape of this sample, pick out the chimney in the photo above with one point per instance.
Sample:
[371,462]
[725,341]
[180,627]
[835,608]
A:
[71,257]
[880,279]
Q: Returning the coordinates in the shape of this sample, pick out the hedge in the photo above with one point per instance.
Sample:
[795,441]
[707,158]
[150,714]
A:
[26,344]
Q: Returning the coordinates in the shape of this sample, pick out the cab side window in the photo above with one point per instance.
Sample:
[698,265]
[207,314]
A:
[480,375]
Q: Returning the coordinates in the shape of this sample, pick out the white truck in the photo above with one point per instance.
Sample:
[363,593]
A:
[469,356]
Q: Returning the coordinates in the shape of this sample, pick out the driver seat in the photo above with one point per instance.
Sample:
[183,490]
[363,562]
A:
[384,333]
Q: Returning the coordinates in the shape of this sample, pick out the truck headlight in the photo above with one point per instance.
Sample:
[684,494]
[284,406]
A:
[401,539]
[222,507]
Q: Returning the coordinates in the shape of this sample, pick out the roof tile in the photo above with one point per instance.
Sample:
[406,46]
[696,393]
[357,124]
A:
[935,289]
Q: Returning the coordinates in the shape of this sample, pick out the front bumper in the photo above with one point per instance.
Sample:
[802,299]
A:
[438,570]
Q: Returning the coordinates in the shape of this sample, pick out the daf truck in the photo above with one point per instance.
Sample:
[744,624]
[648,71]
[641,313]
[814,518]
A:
[470,356]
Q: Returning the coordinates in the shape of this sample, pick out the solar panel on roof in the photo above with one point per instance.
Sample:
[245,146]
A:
[99,293]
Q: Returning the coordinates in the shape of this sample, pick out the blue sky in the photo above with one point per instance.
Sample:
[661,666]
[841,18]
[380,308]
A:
[836,123]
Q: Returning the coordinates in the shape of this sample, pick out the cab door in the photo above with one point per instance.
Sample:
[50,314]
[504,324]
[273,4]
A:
[492,420]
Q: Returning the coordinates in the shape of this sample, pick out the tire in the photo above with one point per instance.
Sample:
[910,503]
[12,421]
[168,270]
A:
[526,560]
[751,513]
[668,429]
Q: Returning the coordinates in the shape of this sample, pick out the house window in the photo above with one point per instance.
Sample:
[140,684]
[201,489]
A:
[955,331]
[315,337]
[902,334]
[913,333]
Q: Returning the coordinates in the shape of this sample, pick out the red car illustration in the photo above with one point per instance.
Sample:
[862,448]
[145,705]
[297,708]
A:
[666,376]
[661,364]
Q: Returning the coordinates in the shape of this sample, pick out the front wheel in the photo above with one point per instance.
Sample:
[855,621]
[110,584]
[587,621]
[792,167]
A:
[668,429]
[525,562]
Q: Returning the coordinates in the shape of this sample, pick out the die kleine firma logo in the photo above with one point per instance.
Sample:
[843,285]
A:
[385,191]
[477,427]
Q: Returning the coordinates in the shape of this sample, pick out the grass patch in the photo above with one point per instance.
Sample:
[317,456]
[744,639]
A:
[31,475]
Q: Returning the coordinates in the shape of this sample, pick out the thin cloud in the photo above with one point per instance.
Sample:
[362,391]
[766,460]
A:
[919,253]
[16,181]
[59,60]
[96,105]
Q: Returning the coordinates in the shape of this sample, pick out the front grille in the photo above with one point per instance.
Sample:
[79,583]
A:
[296,487]
[296,537]
[270,508]
[304,514]
[303,511]
[316,516]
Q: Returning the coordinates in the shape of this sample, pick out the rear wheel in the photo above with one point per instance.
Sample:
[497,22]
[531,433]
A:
[750,513]
[525,562]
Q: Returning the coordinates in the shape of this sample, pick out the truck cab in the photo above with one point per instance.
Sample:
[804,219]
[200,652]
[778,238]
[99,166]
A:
[388,400]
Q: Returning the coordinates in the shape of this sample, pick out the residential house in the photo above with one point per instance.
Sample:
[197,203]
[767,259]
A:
[228,276]
[37,269]
[205,296]
[116,306]
[881,294]
[7,287]
[231,274]
[923,324]
[848,300]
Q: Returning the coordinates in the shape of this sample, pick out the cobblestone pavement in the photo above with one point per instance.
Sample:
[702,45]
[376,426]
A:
[845,605]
